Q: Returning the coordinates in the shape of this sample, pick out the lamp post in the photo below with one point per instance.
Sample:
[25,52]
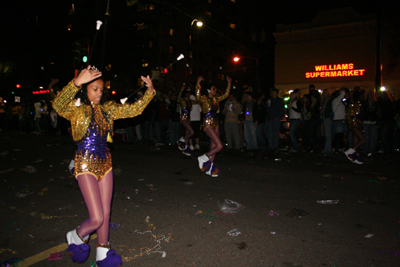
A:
[198,23]
[236,59]
[190,46]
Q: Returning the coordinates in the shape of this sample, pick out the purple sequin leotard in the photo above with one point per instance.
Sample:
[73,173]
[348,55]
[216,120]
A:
[92,155]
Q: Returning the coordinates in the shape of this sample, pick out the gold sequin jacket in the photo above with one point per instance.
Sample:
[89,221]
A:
[208,103]
[81,116]
[353,113]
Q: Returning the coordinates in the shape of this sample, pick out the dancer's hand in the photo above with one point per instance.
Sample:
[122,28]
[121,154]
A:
[199,80]
[87,75]
[229,79]
[149,84]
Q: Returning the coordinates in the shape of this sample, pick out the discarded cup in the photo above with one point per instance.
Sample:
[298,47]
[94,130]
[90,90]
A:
[328,201]
[29,169]
[230,206]
[234,232]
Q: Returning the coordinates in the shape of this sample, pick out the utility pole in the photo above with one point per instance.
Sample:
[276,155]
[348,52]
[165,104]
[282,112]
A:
[378,64]
[103,48]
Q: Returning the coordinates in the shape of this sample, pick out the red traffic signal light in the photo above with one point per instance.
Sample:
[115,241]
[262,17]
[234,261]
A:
[18,86]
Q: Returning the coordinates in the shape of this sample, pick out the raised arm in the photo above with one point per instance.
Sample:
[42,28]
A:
[64,102]
[179,98]
[227,90]
[122,111]
[52,82]
[198,88]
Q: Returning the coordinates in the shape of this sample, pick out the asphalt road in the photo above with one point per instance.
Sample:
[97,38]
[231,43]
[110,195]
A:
[165,211]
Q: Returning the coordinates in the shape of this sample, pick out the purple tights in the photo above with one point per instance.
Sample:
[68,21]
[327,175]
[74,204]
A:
[216,144]
[97,195]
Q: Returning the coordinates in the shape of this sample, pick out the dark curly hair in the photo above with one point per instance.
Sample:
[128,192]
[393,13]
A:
[206,87]
[84,97]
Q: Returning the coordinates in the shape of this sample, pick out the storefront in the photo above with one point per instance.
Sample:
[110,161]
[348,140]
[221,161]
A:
[337,48]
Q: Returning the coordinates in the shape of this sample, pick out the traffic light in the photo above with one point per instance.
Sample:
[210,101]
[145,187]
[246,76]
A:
[85,51]
[77,53]
[162,74]
[18,86]
[286,99]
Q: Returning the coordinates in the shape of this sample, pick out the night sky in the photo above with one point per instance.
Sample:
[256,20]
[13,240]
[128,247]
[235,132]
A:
[35,32]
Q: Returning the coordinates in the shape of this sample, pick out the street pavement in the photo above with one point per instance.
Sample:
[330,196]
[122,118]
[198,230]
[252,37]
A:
[166,212]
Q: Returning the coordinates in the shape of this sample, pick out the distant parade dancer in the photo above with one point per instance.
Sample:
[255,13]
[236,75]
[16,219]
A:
[186,106]
[210,107]
[92,126]
[354,122]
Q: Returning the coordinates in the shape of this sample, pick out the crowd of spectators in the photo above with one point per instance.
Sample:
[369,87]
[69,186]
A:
[324,121]
[33,117]
[314,122]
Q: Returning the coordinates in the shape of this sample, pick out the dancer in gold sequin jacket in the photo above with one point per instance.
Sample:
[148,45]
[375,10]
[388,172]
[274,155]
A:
[186,106]
[354,123]
[210,107]
[92,126]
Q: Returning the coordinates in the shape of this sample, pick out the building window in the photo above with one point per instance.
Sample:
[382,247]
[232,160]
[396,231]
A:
[72,10]
[171,31]
[150,44]
[210,59]
[107,84]
[146,7]
[232,25]
[190,70]
[221,76]
[190,54]
[171,49]
[192,38]
[209,1]
[145,63]
[141,26]
[140,82]
[233,1]
[208,14]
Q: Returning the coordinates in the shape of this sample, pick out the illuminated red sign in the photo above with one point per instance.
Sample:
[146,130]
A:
[335,70]
[40,92]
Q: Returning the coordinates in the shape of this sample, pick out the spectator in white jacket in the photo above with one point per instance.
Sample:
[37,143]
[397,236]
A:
[339,123]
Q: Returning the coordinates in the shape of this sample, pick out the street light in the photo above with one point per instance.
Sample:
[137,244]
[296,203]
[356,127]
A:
[198,23]
[236,59]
